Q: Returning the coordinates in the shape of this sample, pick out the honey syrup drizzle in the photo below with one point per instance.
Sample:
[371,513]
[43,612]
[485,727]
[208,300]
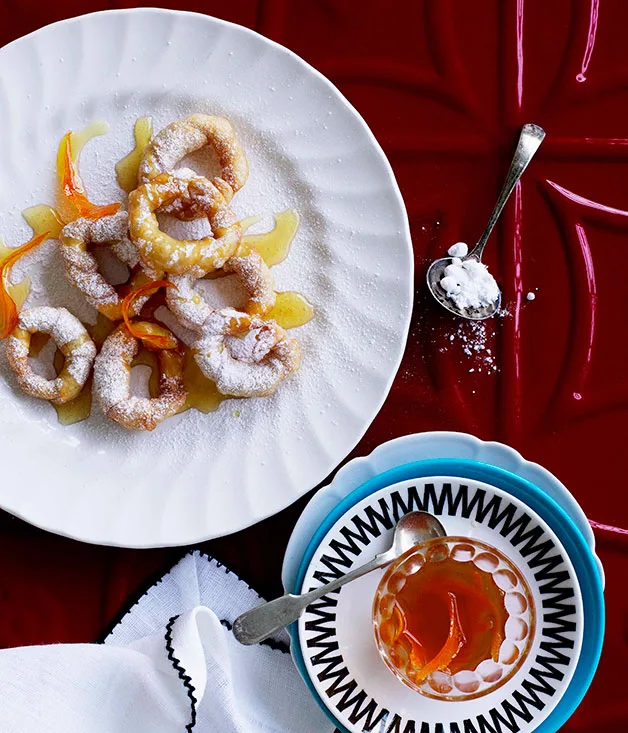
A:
[20,291]
[203,395]
[79,140]
[291,310]
[274,245]
[127,169]
[43,218]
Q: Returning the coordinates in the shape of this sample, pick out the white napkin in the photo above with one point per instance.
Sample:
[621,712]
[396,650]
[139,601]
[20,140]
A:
[170,665]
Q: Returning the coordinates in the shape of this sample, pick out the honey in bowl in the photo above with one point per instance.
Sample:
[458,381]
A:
[453,618]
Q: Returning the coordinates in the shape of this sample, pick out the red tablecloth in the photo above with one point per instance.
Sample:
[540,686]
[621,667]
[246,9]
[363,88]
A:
[444,85]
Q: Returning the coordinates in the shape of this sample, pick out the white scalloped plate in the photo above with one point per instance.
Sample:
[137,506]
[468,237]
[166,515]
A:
[200,476]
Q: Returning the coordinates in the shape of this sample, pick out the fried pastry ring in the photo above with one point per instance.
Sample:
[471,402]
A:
[112,383]
[190,308]
[251,366]
[73,341]
[81,267]
[162,253]
[185,136]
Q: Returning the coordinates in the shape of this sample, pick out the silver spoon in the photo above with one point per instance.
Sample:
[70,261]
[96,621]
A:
[529,141]
[258,623]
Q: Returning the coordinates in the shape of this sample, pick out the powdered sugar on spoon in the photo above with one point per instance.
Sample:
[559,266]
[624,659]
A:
[461,283]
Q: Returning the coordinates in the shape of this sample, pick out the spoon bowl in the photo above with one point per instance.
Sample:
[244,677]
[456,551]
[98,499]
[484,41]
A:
[436,273]
[530,139]
[414,528]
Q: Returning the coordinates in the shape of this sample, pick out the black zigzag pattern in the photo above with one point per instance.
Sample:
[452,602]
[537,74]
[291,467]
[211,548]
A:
[185,678]
[540,554]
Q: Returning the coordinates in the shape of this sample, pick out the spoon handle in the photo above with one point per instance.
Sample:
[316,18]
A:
[259,623]
[529,141]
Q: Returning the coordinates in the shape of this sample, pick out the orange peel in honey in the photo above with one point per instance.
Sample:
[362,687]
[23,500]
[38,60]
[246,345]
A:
[446,622]
[72,184]
[8,307]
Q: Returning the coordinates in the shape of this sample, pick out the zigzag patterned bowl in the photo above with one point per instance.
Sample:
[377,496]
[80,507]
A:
[334,645]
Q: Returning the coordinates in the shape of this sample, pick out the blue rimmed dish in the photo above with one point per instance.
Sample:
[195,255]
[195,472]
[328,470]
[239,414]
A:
[557,525]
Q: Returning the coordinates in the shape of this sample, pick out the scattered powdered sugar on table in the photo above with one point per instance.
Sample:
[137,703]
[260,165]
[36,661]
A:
[473,338]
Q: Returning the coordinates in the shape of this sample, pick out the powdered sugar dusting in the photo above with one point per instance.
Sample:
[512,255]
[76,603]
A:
[253,346]
[113,390]
[112,370]
[187,135]
[82,267]
[256,279]
[62,326]
[189,301]
[79,367]
[314,267]
[168,148]
[188,305]
[69,334]
[263,358]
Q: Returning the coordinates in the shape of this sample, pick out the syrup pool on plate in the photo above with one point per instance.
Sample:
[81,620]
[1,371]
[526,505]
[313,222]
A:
[454,618]
[78,140]
[80,407]
[291,309]
[42,219]
[127,169]
[273,246]
[18,292]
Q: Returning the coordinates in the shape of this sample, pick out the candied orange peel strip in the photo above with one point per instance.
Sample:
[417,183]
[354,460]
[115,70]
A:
[455,641]
[496,643]
[152,335]
[73,188]
[8,308]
